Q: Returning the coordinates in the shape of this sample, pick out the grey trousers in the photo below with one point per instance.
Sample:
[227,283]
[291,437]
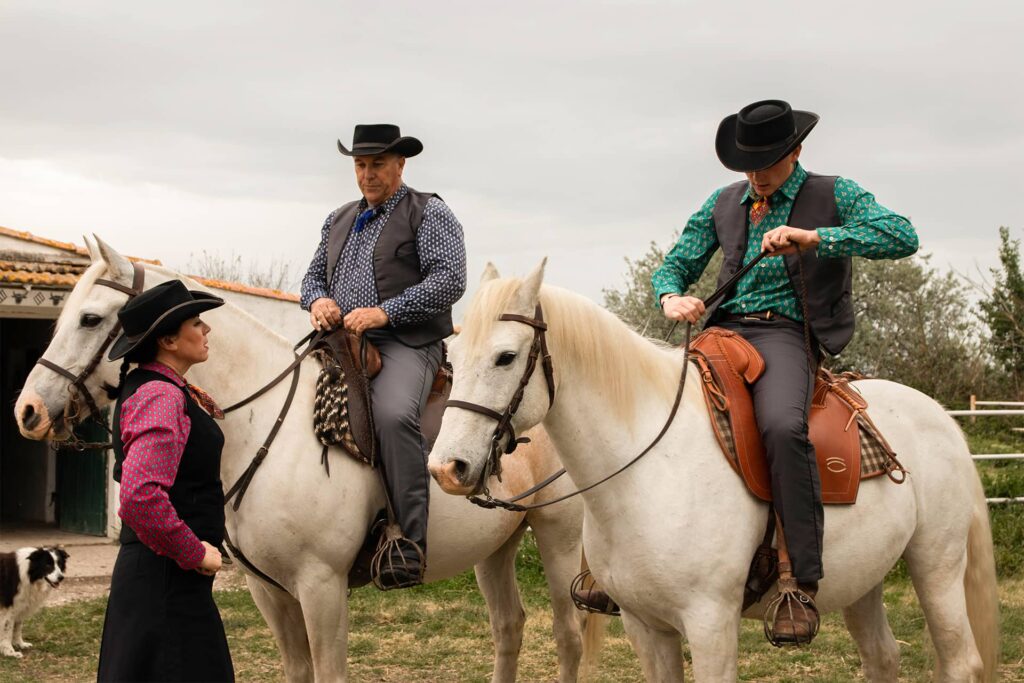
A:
[399,394]
[782,399]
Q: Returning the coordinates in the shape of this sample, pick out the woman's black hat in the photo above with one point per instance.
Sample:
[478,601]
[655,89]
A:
[761,134]
[378,138]
[158,311]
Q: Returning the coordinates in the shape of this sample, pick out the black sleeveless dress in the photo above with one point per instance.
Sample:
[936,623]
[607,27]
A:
[161,622]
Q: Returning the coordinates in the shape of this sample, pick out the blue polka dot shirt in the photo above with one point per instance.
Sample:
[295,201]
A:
[442,253]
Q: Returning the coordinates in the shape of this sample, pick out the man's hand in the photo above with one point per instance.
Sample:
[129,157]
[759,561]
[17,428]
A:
[362,319]
[787,240]
[324,314]
[688,308]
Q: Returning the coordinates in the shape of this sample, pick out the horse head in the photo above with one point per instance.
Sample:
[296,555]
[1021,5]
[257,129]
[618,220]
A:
[501,385]
[51,403]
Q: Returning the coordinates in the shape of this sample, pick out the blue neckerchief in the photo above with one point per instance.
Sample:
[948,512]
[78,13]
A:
[364,218]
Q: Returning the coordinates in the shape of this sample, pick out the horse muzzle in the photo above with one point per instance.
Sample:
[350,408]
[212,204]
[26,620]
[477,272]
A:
[454,477]
[34,419]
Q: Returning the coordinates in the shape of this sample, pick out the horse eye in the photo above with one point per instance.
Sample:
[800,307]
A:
[505,358]
[90,320]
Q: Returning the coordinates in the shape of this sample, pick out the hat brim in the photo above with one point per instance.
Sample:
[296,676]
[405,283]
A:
[736,159]
[404,146]
[170,318]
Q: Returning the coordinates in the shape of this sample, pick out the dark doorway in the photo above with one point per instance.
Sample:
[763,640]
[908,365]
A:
[27,468]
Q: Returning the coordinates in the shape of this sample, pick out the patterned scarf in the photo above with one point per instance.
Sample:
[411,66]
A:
[205,401]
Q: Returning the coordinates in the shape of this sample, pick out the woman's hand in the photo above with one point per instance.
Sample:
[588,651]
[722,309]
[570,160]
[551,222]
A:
[688,308]
[211,560]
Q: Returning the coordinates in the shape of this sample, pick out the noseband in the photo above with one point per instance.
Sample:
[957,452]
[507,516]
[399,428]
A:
[77,388]
[504,440]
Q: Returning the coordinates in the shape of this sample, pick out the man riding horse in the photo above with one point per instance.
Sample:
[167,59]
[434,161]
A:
[390,266]
[817,223]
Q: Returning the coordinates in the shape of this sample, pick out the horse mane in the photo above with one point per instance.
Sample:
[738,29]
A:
[599,347]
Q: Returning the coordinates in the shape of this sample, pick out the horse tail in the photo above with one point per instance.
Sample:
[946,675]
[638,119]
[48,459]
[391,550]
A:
[980,585]
[594,629]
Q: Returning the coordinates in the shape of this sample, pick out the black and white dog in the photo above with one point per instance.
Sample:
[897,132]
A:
[26,577]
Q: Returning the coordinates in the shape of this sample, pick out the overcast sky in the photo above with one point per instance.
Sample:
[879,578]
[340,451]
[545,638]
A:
[578,130]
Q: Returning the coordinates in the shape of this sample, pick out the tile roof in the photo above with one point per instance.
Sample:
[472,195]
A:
[247,289]
[27,268]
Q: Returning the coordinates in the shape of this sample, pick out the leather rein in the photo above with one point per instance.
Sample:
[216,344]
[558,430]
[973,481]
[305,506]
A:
[482,495]
[77,389]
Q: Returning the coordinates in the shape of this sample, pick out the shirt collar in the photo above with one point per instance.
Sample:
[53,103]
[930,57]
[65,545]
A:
[790,188]
[166,371]
[388,204]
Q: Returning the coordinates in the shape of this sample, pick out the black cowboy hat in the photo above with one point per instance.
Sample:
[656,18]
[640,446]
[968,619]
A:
[378,138]
[761,134]
[156,312]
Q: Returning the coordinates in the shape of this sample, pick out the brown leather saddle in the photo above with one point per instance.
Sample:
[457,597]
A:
[359,362]
[351,363]
[729,364]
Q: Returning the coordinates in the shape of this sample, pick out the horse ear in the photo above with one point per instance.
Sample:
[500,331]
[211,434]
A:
[118,266]
[527,295]
[490,273]
[94,251]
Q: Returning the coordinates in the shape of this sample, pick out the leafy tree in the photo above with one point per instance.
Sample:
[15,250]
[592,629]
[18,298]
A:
[1003,310]
[636,305]
[232,269]
[916,326]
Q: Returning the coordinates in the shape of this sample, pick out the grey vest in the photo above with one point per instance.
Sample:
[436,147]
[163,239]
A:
[396,261]
[829,281]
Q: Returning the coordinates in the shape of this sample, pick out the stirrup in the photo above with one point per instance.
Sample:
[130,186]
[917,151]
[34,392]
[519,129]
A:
[790,603]
[589,598]
[390,567]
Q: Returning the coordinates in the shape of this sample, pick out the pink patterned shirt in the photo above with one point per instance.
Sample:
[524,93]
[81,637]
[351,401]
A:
[154,429]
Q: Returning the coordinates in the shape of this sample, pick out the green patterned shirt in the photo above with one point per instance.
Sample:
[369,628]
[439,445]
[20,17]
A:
[867,229]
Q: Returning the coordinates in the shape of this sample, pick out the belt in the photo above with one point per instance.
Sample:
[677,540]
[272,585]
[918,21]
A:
[755,315]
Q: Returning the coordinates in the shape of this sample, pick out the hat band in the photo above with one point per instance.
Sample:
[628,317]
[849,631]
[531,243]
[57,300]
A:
[163,316]
[360,145]
[766,148]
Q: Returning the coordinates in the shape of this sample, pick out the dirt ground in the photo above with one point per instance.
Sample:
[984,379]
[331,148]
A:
[90,561]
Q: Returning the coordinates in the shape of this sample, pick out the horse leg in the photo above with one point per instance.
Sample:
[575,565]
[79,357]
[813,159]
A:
[660,652]
[713,631]
[496,576]
[284,617]
[938,575]
[560,546]
[322,595]
[867,623]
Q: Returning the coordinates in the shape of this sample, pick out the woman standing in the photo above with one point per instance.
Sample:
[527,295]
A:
[161,622]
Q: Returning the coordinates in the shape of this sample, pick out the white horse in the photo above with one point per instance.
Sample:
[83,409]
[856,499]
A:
[298,526]
[671,538]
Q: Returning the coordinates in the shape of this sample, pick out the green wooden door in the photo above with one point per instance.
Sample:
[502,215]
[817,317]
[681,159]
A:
[82,485]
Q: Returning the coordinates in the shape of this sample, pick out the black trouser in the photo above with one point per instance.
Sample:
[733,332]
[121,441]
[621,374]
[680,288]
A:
[782,399]
[399,394]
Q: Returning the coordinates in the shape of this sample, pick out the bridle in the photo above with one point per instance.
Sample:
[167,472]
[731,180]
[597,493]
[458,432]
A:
[77,389]
[504,439]
[481,495]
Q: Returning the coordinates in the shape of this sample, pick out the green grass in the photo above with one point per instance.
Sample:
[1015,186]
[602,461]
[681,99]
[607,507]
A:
[440,633]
